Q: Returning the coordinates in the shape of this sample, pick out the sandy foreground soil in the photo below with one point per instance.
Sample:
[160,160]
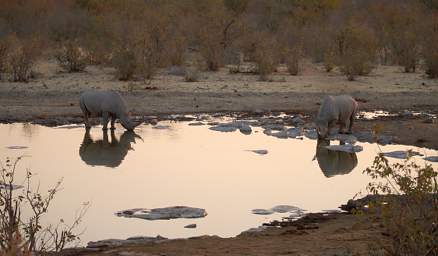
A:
[54,93]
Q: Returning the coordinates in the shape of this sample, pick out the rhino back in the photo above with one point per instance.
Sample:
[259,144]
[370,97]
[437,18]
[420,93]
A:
[328,110]
[97,102]
[346,106]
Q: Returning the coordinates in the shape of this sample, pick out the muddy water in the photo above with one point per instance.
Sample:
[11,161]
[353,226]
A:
[183,165]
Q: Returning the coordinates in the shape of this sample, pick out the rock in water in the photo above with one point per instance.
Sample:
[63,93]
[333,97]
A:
[166,213]
[432,159]
[259,151]
[161,127]
[262,212]
[284,208]
[345,138]
[399,154]
[190,226]
[294,132]
[345,148]
[16,147]
[226,127]
[311,134]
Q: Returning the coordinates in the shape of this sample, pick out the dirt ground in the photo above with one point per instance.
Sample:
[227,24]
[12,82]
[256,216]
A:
[339,234]
[54,93]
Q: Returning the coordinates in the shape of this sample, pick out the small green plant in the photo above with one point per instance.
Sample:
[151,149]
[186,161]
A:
[24,234]
[409,205]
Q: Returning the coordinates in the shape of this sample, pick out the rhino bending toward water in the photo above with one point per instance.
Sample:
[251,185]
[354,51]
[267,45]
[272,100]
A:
[336,110]
[106,104]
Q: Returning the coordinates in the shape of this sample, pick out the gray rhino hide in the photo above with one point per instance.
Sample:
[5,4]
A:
[336,110]
[105,104]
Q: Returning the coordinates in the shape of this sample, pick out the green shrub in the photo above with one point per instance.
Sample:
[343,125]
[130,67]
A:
[265,56]
[356,51]
[292,59]
[409,206]
[21,58]
[71,57]
[125,63]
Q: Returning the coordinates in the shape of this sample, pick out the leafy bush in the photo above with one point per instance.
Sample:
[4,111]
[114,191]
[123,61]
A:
[191,75]
[410,216]
[356,50]
[293,57]
[71,57]
[125,63]
[21,58]
[265,56]
[21,235]
[329,60]
[430,49]
[3,54]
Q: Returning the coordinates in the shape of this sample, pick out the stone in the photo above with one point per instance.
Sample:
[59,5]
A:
[138,240]
[284,208]
[344,138]
[16,147]
[384,139]
[259,151]
[345,148]
[311,134]
[294,132]
[431,159]
[190,226]
[280,134]
[276,127]
[399,154]
[166,213]
[297,121]
[196,124]
[262,212]
[161,127]
[223,128]
[254,230]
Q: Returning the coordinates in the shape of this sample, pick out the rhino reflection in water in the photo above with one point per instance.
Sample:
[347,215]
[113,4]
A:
[104,152]
[332,162]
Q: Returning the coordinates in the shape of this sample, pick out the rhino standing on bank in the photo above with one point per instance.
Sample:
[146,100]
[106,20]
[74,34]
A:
[106,104]
[336,110]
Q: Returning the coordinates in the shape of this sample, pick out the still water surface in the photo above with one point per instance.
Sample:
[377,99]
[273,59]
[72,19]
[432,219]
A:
[183,165]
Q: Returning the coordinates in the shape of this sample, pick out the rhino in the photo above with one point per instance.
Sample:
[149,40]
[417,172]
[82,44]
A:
[104,152]
[332,162]
[336,110]
[106,104]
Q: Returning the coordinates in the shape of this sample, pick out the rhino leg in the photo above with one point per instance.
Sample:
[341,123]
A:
[342,128]
[86,121]
[113,120]
[105,120]
[350,127]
